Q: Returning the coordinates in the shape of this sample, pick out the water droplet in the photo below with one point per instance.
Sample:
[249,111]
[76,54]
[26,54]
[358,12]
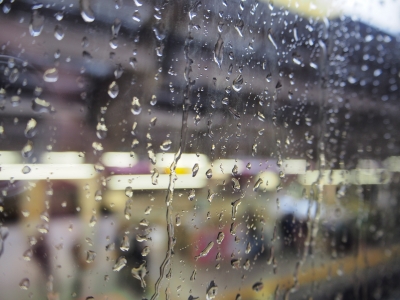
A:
[178,220]
[86,11]
[297,58]
[148,209]
[50,75]
[90,256]
[219,51]
[146,251]
[135,142]
[139,273]
[152,156]
[235,206]
[192,194]
[166,145]
[136,16]
[246,266]
[129,191]
[193,276]
[93,221]
[260,116]
[98,196]
[271,39]
[206,250]
[99,168]
[153,100]
[238,83]
[113,43]
[40,105]
[110,247]
[144,222]
[59,32]
[14,75]
[235,263]
[235,184]
[154,177]
[210,196]
[258,286]
[115,27]
[136,107]
[27,150]
[159,31]
[36,25]
[195,169]
[28,254]
[24,284]
[257,184]
[118,71]
[209,173]
[120,264]
[125,244]
[30,129]
[142,238]
[59,15]
[138,3]
[220,238]
[212,291]
[26,170]
[15,100]
[239,27]
[101,130]
[113,90]
[254,149]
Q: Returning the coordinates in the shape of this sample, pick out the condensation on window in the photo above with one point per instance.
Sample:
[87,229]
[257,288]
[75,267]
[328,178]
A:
[229,149]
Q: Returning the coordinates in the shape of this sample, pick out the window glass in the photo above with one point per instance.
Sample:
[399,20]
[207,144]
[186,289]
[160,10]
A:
[193,149]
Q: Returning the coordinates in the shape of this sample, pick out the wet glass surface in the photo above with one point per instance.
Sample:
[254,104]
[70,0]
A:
[199,149]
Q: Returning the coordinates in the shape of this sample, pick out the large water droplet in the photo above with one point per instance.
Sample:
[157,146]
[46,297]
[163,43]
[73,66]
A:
[136,107]
[136,16]
[86,11]
[139,273]
[271,39]
[26,170]
[206,250]
[27,150]
[24,284]
[238,83]
[235,205]
[166,145]
[154,177]
[219,51]
[120,264]
[40,105]
[59,32]
[30,129]
[36,25]
[90,256]
[113,90]
[50,75]
[235,184]
[125,244]
[258,286]
[239,27]
[209,173]
[220,238]
[146,251]
[28,254]
[192,194]
[152,156]
[212,291]
[195,169]
[257,184]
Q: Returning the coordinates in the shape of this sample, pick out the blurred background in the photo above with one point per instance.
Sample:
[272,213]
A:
[230,149]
